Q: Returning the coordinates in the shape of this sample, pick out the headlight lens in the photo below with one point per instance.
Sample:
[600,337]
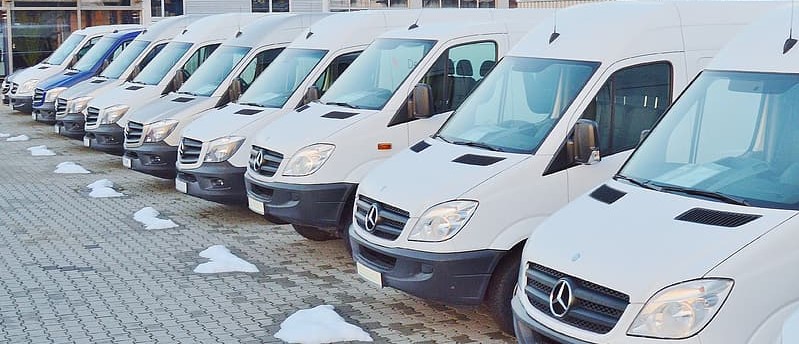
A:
[223,148]
[682,310]
[77,105]
[308,160]
[51,95]
[443,221]
[158,131]
[113,113]
[27,86]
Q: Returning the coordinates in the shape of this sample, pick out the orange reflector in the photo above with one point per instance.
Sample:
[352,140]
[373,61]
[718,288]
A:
[384,146]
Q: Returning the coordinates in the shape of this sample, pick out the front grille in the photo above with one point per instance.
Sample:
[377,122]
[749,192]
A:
[269,161]
[38,95]
[595,308]
[92,114]
[14,87]
[133,133]
[390,220]
[61,107]
[189,151]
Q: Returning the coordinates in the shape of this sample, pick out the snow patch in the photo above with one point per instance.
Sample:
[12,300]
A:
[148,216]
[41,151]
[18,138]
[320,324]
[4,135]
[222,261]
[69,167]
[103,188]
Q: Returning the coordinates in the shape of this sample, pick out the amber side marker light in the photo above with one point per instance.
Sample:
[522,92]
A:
[384,146]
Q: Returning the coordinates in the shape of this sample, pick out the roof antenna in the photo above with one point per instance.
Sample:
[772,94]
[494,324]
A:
[555,33]
[416,23]
[790,42]
[238,22]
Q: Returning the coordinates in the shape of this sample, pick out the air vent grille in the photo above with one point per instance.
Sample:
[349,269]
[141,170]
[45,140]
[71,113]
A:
[607,194]
[477,160]
[420,146]
[716,217]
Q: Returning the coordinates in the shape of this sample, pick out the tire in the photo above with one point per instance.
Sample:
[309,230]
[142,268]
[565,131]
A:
[313,233]
[500,291]
[343,229]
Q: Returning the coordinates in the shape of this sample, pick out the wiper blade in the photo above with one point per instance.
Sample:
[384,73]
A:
[635,181]
[703,193]
[478,145]
[189,93]
[251,104]
[344,104]
[441,138]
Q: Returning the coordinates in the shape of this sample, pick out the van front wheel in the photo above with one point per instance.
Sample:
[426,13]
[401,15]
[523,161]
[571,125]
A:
[500,290]
[313,233]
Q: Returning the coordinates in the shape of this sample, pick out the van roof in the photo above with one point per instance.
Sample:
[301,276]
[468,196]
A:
[612,31]
[167,28]
[123,33]
[759,47]
[104,29]
[216,27]
[273,29]
[473,21]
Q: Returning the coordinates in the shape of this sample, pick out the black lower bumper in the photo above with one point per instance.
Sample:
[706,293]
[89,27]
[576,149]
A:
[529,331]
[315,205]
[71,125]
[218,182]
[107,138]
[452,278]
[155,159]
[23,104]
[45,113]
[6,99]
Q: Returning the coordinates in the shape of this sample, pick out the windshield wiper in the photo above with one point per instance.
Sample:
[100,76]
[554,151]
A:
[477,144]
[344,104]
[251,104]
[642,183]
[702,193]
[189,93]
[441,138]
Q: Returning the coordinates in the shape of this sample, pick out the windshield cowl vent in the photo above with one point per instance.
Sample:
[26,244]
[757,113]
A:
[44,67]
[477,160]
[339,114]
[607,194]
[302,108]
[716,217]
[182,100]
[70,73]
[247,112]
[133,88]
[97,81]
[420,146]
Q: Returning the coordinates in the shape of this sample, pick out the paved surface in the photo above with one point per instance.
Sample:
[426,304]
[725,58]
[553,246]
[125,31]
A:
[80,269]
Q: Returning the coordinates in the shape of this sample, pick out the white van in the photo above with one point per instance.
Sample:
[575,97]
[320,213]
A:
[19,87]
[304,167]
[694,240]
[447,219]
[216,147]
[153,130]
[71,104]
[106,113]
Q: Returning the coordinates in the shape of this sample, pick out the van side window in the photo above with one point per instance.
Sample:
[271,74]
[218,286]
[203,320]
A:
[457,71]
[86,47]
[198,58]
[151,55]
[336,67]
[256,66]
[118,51]
[628,103]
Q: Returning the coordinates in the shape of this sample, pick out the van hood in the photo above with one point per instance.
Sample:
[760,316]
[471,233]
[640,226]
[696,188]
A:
[130,94]
[308,125]
[229,120]
[172,106]
[415,181]
[64,79]
[37,72]
[89,87]
[636,246]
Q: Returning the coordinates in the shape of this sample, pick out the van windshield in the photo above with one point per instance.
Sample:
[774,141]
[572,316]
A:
[65,49]
[376,74]
[162,63]
[124,60]
[517,104]
[278,82]
[732,137]
[207,78]
[95,54]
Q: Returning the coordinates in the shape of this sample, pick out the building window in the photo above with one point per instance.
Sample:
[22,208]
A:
[166,8]
[459,3]
[270,5]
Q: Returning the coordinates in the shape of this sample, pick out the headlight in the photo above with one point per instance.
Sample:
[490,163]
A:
[51,95]
[27,86]
[158,131]
[77,105]
[308,160]
[223,148]
[443,221]
[682,310]
[112,114]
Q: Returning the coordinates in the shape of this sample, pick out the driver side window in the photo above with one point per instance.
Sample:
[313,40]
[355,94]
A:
[198,58]
[457,71]
[86,47]
[256,66]
[336,67]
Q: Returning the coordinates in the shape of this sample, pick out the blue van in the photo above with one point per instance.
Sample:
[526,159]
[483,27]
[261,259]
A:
[95,60]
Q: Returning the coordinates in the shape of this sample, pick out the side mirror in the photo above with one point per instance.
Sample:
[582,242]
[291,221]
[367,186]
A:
[178,79]
[585,140]
[73,61]
[421,104]
[644,134]
[312,93]
[234,91]
[104,66]
[136,70]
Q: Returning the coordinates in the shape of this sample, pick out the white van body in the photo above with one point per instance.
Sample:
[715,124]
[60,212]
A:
[72,103]
[106,114]
[248,52]
[694,239]
[501,164]
[20,85]
[318,203]
[336,40]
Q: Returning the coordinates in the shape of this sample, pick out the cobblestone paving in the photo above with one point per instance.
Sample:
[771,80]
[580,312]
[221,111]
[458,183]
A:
[80,269]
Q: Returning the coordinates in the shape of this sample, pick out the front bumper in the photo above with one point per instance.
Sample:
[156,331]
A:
[156,159]
[453,278]
[218,182]
[22,103]
[315,205]
[529,331]
[71,125]
[45,113]
[107,138]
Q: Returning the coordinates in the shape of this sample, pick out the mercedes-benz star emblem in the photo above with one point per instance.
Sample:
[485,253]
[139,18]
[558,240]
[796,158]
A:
[372,218]
[259,160]
[561,298]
